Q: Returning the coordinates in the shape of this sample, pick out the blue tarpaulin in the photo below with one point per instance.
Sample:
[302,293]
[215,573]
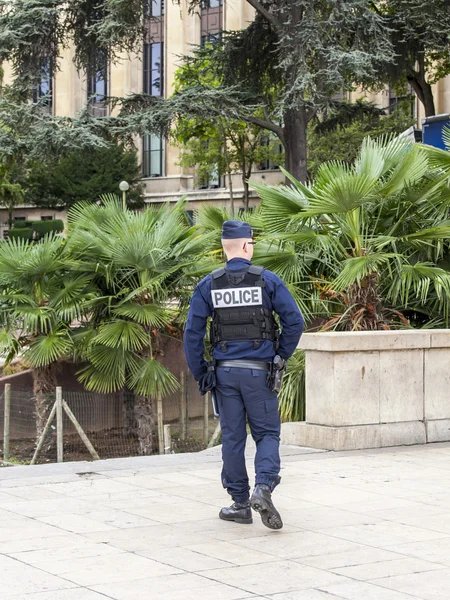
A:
[432,128]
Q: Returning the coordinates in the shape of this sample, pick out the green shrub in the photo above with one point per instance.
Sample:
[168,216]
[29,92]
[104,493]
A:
[20,234]
[22,224]
[44,227]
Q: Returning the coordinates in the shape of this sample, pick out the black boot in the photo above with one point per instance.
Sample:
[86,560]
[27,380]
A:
[239,512]
[261,501]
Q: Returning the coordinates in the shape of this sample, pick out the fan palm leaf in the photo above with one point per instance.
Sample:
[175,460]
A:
[47,349]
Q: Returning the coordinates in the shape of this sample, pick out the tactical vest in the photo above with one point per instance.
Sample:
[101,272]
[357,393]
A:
[239,314]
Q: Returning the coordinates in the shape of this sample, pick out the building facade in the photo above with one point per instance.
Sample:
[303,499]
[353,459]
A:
[173,32]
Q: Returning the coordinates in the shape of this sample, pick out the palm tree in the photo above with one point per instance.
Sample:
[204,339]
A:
[141,263]
[364,245]
[41,295]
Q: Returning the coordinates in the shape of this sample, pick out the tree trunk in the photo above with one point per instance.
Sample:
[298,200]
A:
[424,93]
[10,216]
[230,181]
[129,417]
[428,104]
[295,123]
[44,386]
[144,411]
[418,81]
[246,190]
[245,171]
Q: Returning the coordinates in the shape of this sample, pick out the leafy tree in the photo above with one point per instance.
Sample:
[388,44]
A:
[294,57]
[11,194]
[226,147]
[28,133]
[141,263]
[32,139]
[287,64]
[42,292]
[340,134]
[418,31]
[33,31]
[223,144]
[84,175]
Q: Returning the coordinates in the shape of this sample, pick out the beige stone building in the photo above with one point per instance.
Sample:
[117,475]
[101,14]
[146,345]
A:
[174,32]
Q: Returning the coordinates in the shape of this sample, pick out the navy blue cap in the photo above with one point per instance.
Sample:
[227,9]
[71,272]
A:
[233,230]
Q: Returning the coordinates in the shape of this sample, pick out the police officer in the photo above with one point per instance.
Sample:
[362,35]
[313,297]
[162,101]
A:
[241,299]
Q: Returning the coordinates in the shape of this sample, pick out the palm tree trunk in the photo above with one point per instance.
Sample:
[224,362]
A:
[144,413]
[44,386]
[129,417]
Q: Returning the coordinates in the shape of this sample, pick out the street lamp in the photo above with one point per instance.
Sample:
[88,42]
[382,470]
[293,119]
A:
[124,187]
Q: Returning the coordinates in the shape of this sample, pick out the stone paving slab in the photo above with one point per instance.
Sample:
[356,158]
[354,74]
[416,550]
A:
[371,525]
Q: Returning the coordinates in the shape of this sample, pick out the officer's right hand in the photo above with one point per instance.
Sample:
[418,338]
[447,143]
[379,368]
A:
[207,382]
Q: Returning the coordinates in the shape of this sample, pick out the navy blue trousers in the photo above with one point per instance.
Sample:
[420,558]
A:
[243,394]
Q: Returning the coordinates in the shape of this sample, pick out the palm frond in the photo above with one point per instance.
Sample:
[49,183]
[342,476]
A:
[416,280]
[122,334]
[279,205]
[153,315]
[292,394]
[355,269]
[47,349]
[410,170]
[106,371]
[438,159]
[149,378]
[9,345]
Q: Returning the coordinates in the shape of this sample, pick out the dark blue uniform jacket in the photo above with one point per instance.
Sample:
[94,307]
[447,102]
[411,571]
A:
[276,297]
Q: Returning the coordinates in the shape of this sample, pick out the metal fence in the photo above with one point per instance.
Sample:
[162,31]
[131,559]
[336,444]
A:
[116,425]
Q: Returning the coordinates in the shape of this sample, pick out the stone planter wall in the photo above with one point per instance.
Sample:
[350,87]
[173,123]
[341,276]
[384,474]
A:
[374,389]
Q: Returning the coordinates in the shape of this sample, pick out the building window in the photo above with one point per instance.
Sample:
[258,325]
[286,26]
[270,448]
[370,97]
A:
[97,85]
[154,8]
[408,100]
[46,218]
[190,216]
[269,164]
[153,156]
[208,4]
[43,92]
[211,21]
[211,181]
[153,84]
[154,69]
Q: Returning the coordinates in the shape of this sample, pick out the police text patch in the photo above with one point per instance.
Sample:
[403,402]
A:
[245,296]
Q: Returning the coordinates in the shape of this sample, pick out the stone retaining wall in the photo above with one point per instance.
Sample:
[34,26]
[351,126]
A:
[374,389]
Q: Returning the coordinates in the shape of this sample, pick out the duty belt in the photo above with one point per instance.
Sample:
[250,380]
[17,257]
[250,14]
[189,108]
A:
[244,364]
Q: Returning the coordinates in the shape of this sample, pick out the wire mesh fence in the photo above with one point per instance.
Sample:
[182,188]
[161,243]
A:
[117,425]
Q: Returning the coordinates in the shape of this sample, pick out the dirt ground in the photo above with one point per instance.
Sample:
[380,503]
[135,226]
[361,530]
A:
[110,443]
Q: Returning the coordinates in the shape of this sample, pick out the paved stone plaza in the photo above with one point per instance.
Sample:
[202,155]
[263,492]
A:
[363,525]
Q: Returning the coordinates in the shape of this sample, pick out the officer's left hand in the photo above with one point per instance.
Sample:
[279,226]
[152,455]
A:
[207,382]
